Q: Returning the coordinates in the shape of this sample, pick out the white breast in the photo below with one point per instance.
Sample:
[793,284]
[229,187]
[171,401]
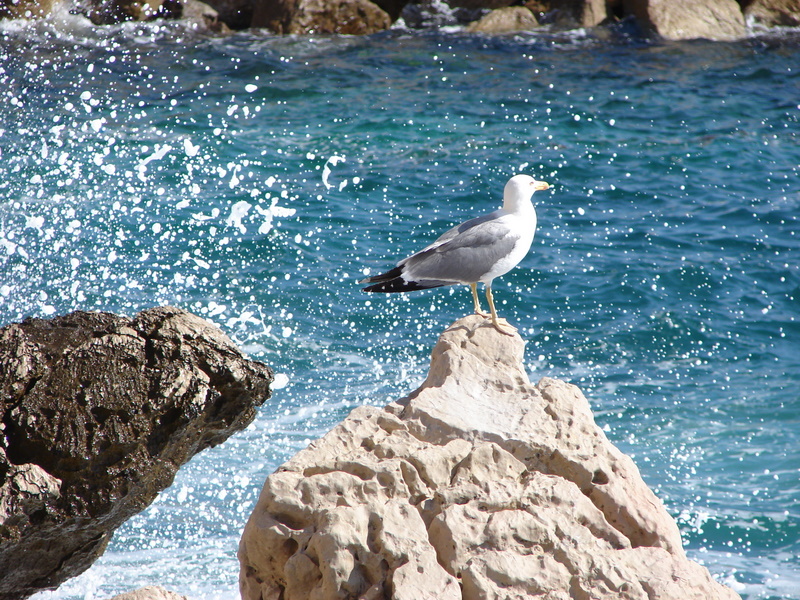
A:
[523,224]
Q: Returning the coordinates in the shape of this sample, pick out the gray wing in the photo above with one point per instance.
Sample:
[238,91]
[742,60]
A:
[451,233]
[463,254]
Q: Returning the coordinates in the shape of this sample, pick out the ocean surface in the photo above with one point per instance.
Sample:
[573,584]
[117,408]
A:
[254,179]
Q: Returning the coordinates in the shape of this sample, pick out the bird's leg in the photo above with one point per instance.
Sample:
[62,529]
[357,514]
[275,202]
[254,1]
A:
[478,311]
[495,322]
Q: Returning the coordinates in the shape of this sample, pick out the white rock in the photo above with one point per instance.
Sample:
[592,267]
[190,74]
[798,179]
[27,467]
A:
[690,19]
[478,485]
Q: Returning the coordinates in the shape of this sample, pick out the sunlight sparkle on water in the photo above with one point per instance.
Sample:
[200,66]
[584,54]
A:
[148,165]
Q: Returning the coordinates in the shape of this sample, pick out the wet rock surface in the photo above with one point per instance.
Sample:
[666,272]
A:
[351,17]
[722,20]
[98,412]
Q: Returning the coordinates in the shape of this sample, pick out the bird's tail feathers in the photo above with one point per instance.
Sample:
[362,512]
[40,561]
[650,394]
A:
[398,284]
[388,276]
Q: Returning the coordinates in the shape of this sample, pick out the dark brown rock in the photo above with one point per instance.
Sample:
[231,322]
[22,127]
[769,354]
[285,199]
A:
[392,7]
[572,13]
[236,14]
[432,14]
[480,4]
[110,12]
[25,9]
[203,17]
[773,13]
[97,413]
[349,17]
[586,13]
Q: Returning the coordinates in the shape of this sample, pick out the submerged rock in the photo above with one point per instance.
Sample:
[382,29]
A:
[97,414]
[477,485]
[150,593]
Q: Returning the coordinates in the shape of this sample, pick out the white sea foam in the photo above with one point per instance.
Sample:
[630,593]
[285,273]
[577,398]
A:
[326,170]
[72,201]
[271,213]
[189,148]
[238,212]
[34,222]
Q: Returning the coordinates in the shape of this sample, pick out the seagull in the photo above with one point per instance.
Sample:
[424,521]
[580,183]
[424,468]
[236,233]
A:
[476,251]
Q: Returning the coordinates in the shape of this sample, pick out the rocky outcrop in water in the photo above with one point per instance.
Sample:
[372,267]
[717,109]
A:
[200,14]
[504,20]
[689,19]
[236,14]
[568,14]
[110,12]
[25,9]
[670,19]
[477,485]
[351,17]
[773,13]
[97,414]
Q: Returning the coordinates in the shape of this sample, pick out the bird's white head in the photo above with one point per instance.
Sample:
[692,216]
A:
[518,191]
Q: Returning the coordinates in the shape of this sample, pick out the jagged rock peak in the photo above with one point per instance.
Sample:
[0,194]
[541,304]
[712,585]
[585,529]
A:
[477,485]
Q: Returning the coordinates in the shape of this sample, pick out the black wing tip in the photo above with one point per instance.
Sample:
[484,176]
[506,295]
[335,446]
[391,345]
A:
[393,282]
[392,286]
[401,285]
[388,276]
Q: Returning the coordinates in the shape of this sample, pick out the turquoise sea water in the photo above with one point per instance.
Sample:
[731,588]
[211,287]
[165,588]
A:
[254,179]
